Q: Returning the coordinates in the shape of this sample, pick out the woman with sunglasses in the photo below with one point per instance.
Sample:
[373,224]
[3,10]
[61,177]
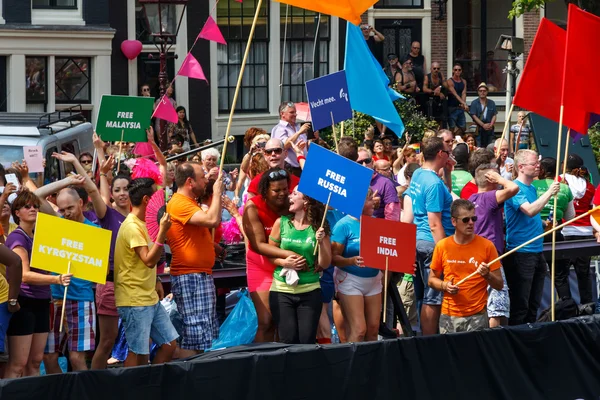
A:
[28,329]
[358,287]
[255,140]
[260,214]
[295,297]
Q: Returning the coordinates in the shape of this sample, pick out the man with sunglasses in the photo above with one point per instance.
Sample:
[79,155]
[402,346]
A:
[483,111]
[406,81]
[145,90]
[464,308]
[431,200]
[288,131]
[275,154]
[526,269]
[457,101]
[435,87]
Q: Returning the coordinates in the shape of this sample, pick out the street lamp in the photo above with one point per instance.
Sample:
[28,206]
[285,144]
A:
[515,47]
[163,20]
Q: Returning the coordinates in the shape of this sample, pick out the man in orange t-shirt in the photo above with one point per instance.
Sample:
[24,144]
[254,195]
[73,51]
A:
[464,308]
[193,251]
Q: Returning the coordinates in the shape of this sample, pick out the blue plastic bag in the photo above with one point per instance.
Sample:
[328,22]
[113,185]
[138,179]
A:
[240,326]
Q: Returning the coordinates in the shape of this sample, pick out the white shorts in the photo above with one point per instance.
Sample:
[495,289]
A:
[353,285]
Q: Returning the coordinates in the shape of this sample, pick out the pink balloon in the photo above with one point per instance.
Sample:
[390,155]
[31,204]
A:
[131,48]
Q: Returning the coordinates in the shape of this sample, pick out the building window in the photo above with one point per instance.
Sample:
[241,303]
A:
[73,80]
[477,26]
[58,4]
[235,20]
[35,79]
[148,70]
[301,49]
[146,18]
[399,4]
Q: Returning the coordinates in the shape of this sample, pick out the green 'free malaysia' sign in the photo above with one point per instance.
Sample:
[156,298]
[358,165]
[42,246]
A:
[124,118]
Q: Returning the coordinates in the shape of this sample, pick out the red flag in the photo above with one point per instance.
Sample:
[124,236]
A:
[191,68]
[540,87]
[582,58]
[211,31]
[164,110]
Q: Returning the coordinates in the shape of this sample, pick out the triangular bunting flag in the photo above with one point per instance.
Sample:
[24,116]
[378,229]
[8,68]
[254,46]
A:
[191,68]
[211,31]
[164,110]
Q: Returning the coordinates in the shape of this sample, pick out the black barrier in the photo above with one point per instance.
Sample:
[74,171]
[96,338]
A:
[544,361]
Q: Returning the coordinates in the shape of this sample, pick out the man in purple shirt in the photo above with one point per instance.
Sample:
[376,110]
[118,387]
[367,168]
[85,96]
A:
[489,207]
[389,204]
[288,131]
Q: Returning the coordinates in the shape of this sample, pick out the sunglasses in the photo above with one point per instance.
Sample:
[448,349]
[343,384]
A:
[435,69]
[145,89]
[275,174]
[86,161]
[416,48]
[30,206]
[457,69]
[365,161]
[466,219]
[277,150]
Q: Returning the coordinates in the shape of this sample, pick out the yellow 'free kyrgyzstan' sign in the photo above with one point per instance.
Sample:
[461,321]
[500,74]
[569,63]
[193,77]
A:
[57,241]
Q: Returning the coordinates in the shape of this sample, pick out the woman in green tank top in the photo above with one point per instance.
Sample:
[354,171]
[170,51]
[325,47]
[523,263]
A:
[295,297]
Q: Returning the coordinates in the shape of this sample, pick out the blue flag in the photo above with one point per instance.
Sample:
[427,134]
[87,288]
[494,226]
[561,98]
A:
[368,84]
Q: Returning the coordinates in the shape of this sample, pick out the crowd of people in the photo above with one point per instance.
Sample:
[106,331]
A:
[468,204]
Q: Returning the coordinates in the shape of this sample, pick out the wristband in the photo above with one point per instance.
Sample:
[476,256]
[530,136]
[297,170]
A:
[103,174]
[301,158]
[159,244]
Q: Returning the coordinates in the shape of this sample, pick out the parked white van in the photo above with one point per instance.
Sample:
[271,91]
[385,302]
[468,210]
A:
[59,131]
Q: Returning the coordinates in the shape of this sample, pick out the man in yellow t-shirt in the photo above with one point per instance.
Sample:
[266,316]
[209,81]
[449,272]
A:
[464,308]
[135,279]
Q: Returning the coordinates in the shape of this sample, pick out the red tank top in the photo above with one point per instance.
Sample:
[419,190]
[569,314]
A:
[265,214]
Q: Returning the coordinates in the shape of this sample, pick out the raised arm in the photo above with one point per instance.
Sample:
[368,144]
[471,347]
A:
[151,256]
[99,146]
[212,217]
[106,168]
[90,187]
[23,170]
[160,157]
[54,187]
[532,209]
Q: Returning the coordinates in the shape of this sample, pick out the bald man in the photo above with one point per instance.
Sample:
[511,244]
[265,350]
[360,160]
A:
[275,153]
[384,168]
[505,163]
[79,332]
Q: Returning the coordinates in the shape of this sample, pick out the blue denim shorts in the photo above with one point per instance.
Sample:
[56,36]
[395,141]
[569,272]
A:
[143,323]
[431,296]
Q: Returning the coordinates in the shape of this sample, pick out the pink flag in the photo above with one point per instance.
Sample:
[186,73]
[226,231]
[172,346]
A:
[212,32]
[191,68]
[164,110]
